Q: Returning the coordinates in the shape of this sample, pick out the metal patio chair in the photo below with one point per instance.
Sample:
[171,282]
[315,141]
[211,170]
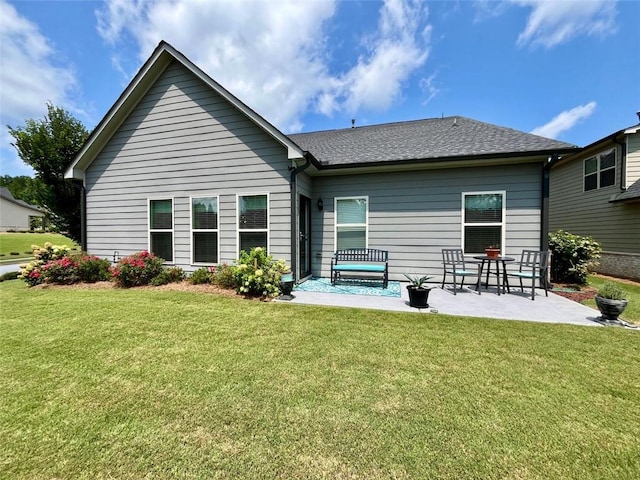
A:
[533,266]
[454,264]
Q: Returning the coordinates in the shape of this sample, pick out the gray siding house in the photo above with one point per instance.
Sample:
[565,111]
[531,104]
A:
[596,192]
[16,214]
[183,168]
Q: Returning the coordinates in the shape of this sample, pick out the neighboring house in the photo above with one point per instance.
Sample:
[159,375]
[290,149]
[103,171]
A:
[182,167]
[596,192]
[16,214]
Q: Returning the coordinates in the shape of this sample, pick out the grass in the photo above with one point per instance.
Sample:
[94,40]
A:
[21,243]
[632,291]
[109,383]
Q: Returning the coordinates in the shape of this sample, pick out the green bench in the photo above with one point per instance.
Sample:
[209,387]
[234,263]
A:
[361,260]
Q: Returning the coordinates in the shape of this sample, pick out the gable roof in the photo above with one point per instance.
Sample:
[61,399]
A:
[160,59]
[6,194]
[448,138]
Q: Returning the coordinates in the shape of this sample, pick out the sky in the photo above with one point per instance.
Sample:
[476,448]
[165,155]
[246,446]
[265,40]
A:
[563,69]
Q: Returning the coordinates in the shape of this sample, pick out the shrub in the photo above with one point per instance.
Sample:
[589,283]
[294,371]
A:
[200,276]
[224,276]
[256,273]
[168,275]
[611,291]
[32,272]
[573,257]
[9,276]
[93,269]
[137,269]
[63,271]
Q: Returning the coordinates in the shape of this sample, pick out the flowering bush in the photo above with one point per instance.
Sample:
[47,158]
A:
[572,257]
[32,272]
[200,276]
[256,273]
[137,269]
[63,271]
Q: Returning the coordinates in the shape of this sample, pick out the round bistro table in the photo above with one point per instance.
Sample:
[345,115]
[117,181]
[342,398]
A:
[497,261]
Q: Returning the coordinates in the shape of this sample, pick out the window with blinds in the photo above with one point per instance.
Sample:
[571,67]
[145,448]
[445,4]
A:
[351,222]
[483,221]
[204,230]
[253,221]
[161,228]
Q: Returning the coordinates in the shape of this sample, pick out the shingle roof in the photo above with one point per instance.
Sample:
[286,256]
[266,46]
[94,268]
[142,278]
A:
[6,194]
[429,139]
[631,193]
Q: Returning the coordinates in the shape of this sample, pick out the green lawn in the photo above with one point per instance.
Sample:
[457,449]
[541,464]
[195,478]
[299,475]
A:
[21,243]
[110,383]
[632,290]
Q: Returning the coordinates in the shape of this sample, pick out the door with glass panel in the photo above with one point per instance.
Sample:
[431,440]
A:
[304,226]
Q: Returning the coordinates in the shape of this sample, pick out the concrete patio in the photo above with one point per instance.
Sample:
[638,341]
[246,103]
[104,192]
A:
[513,306]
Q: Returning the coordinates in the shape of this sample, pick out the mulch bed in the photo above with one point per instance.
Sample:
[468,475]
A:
[587,293]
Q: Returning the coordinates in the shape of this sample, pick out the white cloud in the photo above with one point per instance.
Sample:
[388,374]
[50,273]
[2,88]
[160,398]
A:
[277,56]
[29,77]
[565,121]
[553,22]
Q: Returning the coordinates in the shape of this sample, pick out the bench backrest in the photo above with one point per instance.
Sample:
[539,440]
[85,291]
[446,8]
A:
[362,255]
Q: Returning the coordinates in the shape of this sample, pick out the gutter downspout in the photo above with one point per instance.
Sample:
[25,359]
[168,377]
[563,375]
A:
[544,213]
[83,214]
[294,214]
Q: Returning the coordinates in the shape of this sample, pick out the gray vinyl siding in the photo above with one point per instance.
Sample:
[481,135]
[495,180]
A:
[615,225]
[416,214]
[633,159]
[184,140]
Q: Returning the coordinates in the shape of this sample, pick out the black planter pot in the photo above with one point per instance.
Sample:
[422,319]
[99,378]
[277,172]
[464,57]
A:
[610,309]
[286,286]
[418,296]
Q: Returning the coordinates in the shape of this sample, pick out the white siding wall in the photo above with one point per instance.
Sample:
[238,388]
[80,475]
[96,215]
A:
[416,214]
[184,140]
[633,159]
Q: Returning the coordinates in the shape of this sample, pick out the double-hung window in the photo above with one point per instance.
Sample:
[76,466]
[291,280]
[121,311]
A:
[352,214]
[161,228]
[204,230]
[253,221]
[483,215]
[600,171]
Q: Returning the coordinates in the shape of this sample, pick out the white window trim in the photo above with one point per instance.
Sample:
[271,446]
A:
[203,230]
[598,157]
[238,229]
[335,220]
[503,224]
[173,224]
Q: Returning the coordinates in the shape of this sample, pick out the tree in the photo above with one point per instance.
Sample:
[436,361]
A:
[49,146]
[27,189]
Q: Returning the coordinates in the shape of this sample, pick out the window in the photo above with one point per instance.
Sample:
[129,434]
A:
[253,221]
[600,171]
[351,222]
[482,220]
[161,228]
[204,230]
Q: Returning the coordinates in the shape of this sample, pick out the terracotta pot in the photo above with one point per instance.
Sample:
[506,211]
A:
[492,252]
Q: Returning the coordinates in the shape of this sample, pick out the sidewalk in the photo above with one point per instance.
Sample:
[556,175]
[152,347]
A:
[513,306]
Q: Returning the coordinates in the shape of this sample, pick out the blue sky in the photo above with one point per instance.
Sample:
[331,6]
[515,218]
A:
[564,69]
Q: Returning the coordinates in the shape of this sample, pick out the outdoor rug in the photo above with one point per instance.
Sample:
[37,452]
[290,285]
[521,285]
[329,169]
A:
[350,287]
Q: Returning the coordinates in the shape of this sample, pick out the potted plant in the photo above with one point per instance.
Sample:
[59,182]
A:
[418,293]
[492,251]
[611,301]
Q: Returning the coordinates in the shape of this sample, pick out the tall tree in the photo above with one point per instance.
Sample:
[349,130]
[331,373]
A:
[24,188]
[49,146]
